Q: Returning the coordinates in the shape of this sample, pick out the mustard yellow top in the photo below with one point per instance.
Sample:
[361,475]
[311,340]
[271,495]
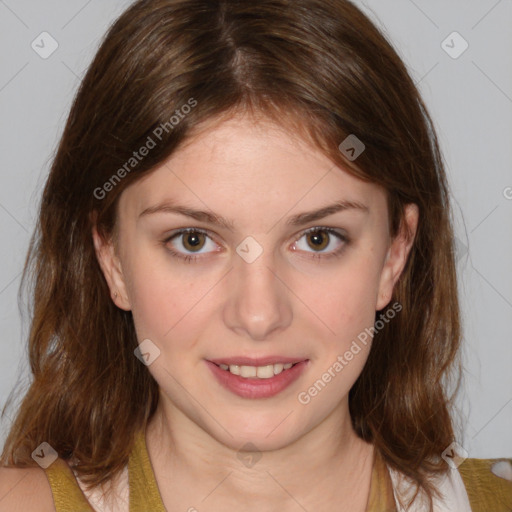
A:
[486,491]
[144,493]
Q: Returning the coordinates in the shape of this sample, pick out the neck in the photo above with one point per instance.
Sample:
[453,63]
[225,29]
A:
[329,465]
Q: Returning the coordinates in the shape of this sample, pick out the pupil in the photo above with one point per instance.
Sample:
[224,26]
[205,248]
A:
[193,237]
[318,239]
[193,240]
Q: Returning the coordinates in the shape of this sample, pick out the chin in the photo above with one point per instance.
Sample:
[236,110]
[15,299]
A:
[270,436]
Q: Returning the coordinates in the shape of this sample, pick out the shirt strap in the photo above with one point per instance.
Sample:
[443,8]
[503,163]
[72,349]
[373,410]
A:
[144,493]
[381,497]
[66,492]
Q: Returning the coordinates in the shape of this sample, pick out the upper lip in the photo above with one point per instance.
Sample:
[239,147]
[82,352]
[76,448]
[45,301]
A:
[256,361]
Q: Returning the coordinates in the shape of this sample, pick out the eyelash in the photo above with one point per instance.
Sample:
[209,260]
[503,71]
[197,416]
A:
[190,258]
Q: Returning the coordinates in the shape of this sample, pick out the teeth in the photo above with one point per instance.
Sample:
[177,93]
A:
[261,372]
[248,371]
[265,372]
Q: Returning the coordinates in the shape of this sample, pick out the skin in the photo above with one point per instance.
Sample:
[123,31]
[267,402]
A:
[286,302]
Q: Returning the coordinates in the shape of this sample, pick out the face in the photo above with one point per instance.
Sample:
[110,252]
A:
[271,284]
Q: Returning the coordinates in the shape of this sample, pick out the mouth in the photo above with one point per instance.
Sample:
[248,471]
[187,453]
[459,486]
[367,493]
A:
[257,381]
[256,372]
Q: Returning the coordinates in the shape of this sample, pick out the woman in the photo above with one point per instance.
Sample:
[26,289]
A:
[244,281]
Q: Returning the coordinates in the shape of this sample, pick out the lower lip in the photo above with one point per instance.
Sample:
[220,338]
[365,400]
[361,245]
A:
[254,387]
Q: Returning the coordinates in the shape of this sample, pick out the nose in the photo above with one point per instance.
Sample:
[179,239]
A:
[258,303]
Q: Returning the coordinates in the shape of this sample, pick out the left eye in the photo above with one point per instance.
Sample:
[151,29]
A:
[320,238]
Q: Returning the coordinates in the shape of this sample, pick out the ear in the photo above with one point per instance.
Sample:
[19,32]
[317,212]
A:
[397,255]
[111,268]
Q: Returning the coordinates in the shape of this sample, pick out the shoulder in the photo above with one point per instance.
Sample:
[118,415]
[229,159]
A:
[488,483]
[24,489]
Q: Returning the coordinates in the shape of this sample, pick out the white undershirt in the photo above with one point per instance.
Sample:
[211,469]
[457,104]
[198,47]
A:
[450,485]
[119,501]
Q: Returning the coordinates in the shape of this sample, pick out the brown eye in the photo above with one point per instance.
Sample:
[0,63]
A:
[322,242]
[190,244]
[318,240]
[193,240]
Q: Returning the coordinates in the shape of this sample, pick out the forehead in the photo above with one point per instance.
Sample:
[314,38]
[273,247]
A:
[249,166]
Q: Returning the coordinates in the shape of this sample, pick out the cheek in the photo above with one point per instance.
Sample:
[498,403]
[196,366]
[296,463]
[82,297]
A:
[344,299]
[346,304]
[164,300]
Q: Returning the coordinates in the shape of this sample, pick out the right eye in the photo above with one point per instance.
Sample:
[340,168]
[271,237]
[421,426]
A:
[192,239]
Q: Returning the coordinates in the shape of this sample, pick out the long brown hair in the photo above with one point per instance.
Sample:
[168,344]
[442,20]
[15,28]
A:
[324,69]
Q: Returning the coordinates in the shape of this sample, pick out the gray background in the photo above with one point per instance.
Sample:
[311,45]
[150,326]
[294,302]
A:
[469,97]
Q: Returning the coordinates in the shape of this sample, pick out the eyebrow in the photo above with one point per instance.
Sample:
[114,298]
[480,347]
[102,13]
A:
[295,220]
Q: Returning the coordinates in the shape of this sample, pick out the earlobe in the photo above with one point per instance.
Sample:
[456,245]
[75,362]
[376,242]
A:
[396,257]
[111,267]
